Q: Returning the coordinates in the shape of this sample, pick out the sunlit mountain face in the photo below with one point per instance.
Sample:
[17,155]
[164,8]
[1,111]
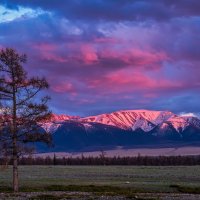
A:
[145,120]
[100,56]
[125,128]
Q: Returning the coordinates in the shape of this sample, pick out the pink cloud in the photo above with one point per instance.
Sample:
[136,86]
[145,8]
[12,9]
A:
[50,52]
[49,56]
[45,46]
[107,52]
[64,87]
[129,80]
[89,54]
[135,57]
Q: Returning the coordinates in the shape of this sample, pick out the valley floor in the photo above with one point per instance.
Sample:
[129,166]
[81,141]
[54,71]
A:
[104,182]
[120,151]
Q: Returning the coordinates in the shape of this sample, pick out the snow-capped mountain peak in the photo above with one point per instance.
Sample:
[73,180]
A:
[179,123]
[56,121]
[62,117]
[123,128]
[145,120]
[132,119]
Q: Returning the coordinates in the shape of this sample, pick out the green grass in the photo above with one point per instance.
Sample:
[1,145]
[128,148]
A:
[186,189]
[105,179]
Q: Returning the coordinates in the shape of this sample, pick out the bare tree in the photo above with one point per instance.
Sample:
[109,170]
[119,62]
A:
[21,110]
[102,156]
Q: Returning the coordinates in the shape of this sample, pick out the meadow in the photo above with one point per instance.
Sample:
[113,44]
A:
[126,181]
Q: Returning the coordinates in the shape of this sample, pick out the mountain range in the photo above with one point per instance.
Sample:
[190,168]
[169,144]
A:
[122,128]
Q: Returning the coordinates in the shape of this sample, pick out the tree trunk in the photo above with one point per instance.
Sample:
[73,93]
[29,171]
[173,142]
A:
[15,168]
[15,148]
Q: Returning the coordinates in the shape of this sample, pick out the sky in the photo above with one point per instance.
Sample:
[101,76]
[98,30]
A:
[106,55]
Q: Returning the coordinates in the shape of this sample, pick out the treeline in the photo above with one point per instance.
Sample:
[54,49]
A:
[101,160]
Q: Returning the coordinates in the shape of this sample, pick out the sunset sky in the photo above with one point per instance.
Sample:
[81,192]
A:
[107,55]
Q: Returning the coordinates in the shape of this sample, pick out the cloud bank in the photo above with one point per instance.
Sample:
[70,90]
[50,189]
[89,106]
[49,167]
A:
[104,55]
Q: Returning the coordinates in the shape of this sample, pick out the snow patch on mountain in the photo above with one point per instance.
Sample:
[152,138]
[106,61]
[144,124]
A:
[190,114]
[143,124]
[193,121]
[56,121]
[51,127]
[131,119]
[87,126]
[179,123]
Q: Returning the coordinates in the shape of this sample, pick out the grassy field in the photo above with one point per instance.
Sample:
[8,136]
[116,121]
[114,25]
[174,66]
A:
[115,179]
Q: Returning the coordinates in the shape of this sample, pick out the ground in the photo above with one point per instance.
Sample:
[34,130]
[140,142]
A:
[104,182]
[146,150]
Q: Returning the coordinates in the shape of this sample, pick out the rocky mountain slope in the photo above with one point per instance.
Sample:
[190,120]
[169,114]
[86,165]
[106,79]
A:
[126,127]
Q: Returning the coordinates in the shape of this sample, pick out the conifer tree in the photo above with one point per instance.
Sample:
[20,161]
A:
[21,110]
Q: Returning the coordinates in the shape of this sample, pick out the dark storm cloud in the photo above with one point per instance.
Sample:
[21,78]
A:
[114,10]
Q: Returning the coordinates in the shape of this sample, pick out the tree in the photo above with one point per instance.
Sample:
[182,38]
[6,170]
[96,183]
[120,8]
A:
[54,159]
[22,111]
[103,156]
